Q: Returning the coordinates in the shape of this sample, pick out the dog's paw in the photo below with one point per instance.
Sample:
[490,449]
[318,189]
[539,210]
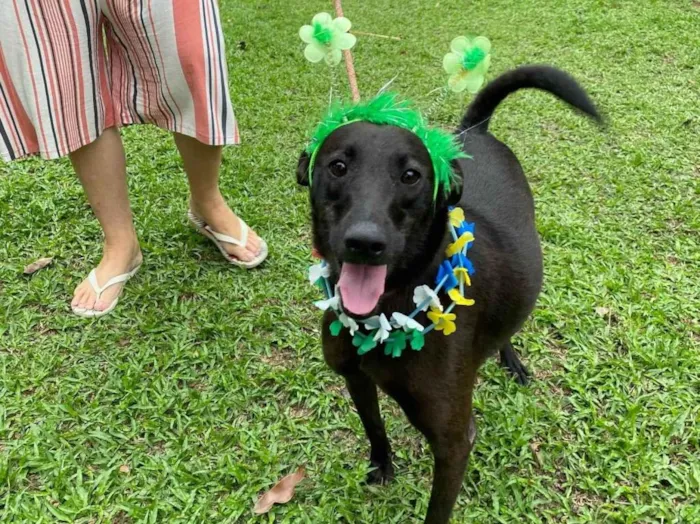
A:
[510,361]
[380,473]
[520,373]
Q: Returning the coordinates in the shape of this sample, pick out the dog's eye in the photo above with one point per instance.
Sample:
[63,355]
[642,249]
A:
[338,168]
[410,177]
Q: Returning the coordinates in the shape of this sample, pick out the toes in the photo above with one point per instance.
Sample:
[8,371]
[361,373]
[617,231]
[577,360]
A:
[100,305]
[382,474]
[89,302]
[245,255]
[84,300]
[254,245]
[109,296]
[77,298]
[79,294]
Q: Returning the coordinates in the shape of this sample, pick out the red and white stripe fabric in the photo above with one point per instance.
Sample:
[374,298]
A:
[71,68]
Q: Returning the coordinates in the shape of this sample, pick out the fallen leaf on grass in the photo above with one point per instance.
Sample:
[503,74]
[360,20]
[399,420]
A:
[535,448]
[36,266]
[124,468]
[602,311]
[281,493]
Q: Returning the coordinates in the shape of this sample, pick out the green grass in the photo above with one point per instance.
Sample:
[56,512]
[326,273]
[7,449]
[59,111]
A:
[209,384]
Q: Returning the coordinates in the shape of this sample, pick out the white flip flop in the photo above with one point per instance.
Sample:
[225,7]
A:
[220,239]
[92,280]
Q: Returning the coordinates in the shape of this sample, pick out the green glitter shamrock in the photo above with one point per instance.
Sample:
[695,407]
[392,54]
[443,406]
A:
[326,38]
[467,63]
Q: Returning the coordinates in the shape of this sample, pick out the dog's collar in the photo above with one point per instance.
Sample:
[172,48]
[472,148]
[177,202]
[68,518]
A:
[399,330]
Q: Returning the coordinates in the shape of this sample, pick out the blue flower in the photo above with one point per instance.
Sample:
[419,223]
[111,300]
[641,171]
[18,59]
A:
[445,272]
[466,227]
[460,260]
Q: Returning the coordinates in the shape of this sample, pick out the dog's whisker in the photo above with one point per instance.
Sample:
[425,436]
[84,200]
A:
[434,91]
[465,131]
[386,86]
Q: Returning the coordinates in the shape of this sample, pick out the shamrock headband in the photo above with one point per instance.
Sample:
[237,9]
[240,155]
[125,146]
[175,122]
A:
[467,63]
[387,109]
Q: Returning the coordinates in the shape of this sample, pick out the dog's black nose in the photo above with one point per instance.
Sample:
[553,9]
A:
[365,239]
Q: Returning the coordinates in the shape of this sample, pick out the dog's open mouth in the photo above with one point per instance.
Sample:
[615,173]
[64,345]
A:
[361,286]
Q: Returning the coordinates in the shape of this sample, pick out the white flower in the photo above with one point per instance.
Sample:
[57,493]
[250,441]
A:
[348,322]
[330,303]
[381,324]
[406,322]
[423,297]
[318,271]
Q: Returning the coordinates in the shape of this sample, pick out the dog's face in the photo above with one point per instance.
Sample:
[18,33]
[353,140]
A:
[373,208]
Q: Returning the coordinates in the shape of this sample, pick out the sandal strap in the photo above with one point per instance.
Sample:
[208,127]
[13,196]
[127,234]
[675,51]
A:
[242,242]
[92,279]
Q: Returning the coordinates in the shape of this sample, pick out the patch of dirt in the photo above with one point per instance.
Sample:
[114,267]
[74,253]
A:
[157,449]
[278,357]
[584,499]
[33,482]
[44,331]
[197,386]
[299,411]
[121,518]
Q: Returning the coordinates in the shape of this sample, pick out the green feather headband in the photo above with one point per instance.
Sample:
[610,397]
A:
[387,109]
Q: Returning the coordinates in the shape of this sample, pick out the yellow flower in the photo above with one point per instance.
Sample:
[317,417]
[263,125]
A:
[444,322]
[462,275]
[458,299]
[457,216]
[457,246]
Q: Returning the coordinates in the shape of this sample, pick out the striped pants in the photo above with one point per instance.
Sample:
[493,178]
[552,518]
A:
[71,68]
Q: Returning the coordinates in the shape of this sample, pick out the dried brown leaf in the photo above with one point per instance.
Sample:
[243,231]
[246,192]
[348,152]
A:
[37,265]
[281,493]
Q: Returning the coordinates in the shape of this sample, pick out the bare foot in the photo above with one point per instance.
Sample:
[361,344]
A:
[221,219]
[116,260]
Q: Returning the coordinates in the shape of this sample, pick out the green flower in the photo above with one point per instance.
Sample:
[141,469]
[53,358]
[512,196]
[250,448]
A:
[467,63]
[395,344]
[417,340]
[326,38]
[364,343]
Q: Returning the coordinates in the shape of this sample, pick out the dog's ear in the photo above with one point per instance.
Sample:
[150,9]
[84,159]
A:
[455,194]
[303,169]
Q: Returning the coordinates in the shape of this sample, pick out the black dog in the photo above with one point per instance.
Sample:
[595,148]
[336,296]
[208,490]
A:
[372,205]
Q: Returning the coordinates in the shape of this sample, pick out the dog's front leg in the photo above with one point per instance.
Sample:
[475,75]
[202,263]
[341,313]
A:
[341,356]
[444,416]
[364,393]
[451,449]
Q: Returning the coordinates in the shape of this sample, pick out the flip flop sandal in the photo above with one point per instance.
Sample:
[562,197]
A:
[92,280]
[220,239]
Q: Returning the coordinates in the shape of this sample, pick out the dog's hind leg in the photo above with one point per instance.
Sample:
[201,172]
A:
[510,360]
[364,394]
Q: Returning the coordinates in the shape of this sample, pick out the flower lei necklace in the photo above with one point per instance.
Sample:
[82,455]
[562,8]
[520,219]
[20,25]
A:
[399,330]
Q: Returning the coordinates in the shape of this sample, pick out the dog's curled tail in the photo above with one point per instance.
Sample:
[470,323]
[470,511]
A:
[546,78]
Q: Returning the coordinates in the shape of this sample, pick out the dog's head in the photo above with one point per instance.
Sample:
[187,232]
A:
[376,219]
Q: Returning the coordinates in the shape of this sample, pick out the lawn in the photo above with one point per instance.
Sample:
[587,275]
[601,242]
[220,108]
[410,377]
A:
[207,384]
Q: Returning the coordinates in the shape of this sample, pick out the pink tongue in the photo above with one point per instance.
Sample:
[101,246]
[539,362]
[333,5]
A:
[361,287]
